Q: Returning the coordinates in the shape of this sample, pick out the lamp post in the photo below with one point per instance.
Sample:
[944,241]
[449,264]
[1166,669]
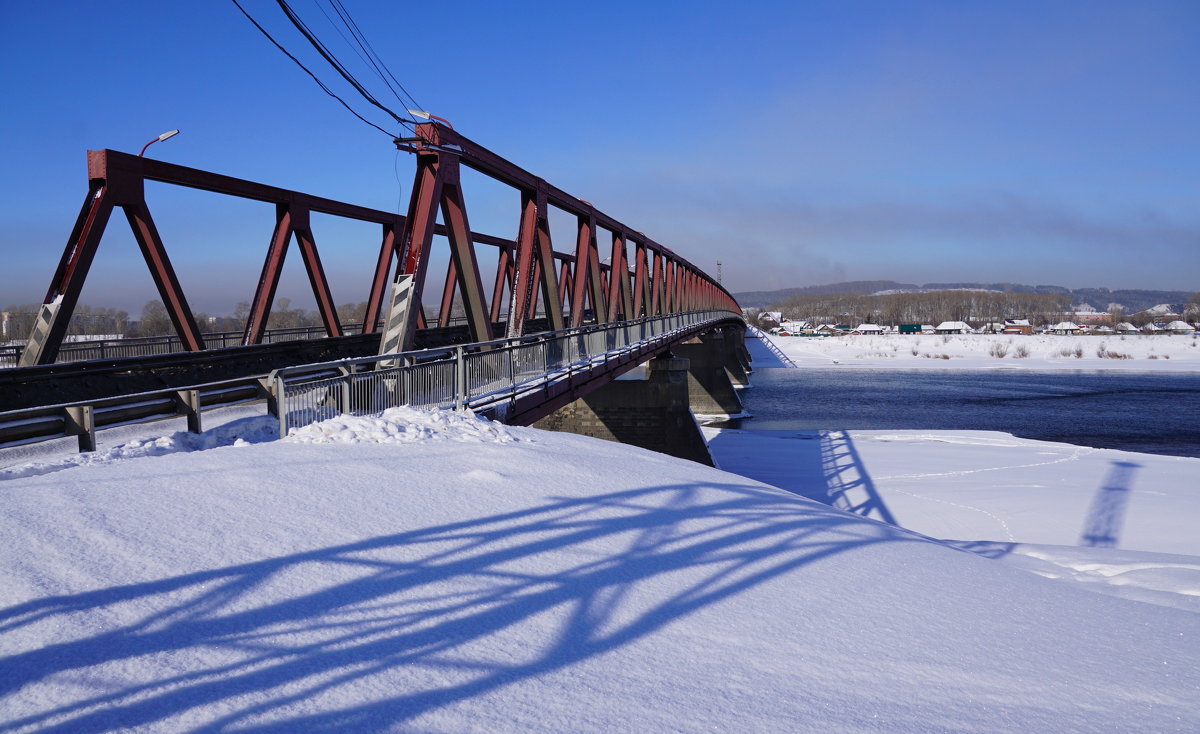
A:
[428,116]
[164,136]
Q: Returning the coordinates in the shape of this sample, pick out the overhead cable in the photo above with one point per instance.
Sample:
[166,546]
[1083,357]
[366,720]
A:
[337,65]
[321,84]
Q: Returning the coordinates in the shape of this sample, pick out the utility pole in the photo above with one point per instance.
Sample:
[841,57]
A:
[719,273]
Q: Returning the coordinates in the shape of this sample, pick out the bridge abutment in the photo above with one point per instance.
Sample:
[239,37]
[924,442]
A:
[653,413]
[714,367]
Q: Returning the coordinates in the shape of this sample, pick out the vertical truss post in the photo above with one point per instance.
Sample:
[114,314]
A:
[669,305]
[316,273]
[626,288]
[534,261]
[564,284]
[268,280]
[641,286]
[656,286]
[418,237]
[588,281]
[504,282]
[447,303]
[462,250]
[617,265]
[522,293]
[544,272]
[55,313]
[536,277]
[146,234]
[383,265]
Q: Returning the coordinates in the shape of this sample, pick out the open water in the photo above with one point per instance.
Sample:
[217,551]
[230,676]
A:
[1147,412]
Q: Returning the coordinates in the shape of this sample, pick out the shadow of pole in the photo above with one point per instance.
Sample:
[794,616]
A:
[849,486]
[1103,525]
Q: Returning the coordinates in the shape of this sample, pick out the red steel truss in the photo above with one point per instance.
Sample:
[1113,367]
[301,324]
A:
[571,289]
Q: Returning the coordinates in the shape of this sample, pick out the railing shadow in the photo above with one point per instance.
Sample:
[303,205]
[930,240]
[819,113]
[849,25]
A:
[818,465]
[849,486]
[1102,528]
[282,640]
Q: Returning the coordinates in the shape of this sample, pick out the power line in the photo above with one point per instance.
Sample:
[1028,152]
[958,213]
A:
[366,51]
[337,65]
[411,102]
[321,84]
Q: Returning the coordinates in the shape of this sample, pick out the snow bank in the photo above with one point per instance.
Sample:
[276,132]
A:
[1154,578]
[242,432]
[997,351]
[404,425]
[550,584]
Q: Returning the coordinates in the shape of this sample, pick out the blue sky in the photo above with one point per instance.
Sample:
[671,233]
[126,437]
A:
[797,143]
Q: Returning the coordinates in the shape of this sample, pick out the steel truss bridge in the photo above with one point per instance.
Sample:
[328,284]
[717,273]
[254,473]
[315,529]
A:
[554,325]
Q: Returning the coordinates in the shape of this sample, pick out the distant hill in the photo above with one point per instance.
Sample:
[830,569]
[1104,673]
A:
[762,299]
[1131,300]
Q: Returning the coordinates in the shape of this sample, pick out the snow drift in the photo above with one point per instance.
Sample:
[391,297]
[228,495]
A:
[550,583]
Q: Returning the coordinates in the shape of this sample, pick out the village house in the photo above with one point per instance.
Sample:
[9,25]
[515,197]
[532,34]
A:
[1017,326]
[953,327]
[867,329]
[1065,327]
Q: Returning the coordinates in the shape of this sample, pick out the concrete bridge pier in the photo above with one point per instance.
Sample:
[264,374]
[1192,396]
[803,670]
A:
[715,367]
[653,413]
[737,357]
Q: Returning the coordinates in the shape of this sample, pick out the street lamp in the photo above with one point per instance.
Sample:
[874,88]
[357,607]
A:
[164,136]
[427,116]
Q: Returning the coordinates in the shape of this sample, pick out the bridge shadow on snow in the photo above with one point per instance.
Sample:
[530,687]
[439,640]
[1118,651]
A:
[1102,528]
[445,611]
[819,465]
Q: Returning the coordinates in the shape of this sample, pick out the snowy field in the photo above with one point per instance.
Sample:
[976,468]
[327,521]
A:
[435,573]
[997,351]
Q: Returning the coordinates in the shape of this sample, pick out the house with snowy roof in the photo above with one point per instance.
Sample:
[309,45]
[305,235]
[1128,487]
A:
[1017,326]
[867,329]
[1065,327]
[1126,328]
[953,327]
[1179,327]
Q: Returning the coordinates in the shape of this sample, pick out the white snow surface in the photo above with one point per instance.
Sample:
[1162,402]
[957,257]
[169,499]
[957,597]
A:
[1136,352]
[431,572]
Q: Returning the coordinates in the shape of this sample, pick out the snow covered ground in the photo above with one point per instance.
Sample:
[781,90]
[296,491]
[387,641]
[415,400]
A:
[434,573]
[997,351]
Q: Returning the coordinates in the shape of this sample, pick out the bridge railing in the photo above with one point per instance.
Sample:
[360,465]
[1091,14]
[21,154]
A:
[483,376]
[486,375]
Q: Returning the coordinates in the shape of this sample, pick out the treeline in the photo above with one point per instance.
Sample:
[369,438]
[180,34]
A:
[154,320]
[926,308]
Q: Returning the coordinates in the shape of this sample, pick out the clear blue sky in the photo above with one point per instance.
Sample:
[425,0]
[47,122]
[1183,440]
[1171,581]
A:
[797,142]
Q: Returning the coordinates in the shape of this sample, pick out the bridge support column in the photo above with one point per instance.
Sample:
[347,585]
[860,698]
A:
[652,413]
[710,387]
[737,359]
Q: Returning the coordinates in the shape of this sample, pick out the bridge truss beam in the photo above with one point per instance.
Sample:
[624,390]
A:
[570,289]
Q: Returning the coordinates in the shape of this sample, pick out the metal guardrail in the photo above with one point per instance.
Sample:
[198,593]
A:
[770,345]
[478,376]
[483,375]
[82,351]
[32,425]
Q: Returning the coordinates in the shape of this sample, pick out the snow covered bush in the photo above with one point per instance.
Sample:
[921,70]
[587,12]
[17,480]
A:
[998,350]
[1021,352]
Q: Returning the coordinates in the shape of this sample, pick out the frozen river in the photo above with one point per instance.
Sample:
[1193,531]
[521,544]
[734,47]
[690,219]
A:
[1146,412]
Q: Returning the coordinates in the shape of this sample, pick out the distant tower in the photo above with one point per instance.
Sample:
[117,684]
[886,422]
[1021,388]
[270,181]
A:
[718,272]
